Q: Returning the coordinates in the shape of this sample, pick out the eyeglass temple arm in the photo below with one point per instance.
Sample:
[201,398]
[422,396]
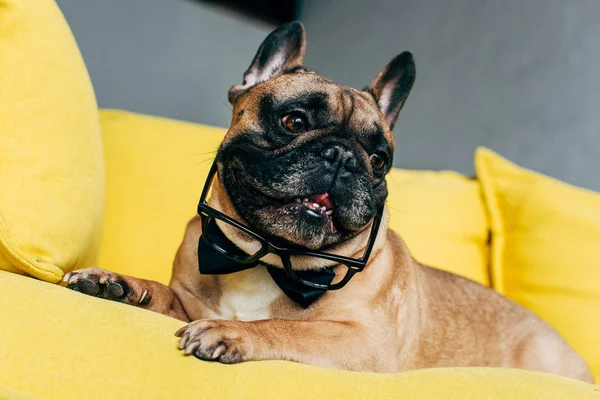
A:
[373,234]
[211,175]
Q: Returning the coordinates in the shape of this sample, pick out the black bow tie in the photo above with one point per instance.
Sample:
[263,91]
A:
[211,262]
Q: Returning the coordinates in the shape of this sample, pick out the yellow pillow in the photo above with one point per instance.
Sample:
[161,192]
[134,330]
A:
[156,169]
[441,217]
[98,349]
[546,248]
[51,162]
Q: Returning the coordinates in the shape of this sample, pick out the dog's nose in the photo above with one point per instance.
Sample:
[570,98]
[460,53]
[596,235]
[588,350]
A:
[338,154]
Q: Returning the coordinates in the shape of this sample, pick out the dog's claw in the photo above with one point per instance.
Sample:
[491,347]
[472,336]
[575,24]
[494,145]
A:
[184,340]
[219,351]
[191,347]
[180,331]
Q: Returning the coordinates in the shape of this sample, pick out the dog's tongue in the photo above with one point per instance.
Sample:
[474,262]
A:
[322,199]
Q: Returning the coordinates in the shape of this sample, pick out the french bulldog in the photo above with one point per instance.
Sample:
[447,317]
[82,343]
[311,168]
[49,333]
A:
[301,173]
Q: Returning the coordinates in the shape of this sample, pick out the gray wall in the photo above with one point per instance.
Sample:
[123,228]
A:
[174,58]
[522,77]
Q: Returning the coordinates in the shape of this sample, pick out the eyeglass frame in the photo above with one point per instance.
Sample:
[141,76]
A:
[354,265]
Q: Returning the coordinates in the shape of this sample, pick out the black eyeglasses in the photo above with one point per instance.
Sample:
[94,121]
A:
[351,265]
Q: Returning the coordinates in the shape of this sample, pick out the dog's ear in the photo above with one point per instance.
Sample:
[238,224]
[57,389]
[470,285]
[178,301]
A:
[392,86]
[282,51]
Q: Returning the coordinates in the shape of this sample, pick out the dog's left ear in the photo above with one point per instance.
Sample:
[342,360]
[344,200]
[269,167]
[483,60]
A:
[392,86]
[282,51]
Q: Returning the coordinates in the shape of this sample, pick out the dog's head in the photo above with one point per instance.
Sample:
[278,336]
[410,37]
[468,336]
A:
[305,158]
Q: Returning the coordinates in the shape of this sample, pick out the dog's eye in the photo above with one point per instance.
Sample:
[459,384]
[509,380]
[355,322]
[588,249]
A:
[377,161]
[295,122]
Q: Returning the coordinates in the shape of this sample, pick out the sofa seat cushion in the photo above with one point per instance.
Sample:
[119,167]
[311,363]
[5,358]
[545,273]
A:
[60,344]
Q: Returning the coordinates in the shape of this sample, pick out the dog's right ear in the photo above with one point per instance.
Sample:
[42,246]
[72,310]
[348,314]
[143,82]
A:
[282,51]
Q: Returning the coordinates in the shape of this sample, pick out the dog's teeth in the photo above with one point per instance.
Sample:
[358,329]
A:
[329,212]
[323,209]
[305,200]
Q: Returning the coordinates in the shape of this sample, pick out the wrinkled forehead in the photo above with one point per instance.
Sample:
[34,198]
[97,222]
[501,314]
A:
[344,106]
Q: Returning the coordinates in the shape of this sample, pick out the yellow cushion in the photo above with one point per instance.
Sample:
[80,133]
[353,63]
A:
[51,162]
[8,394]
[156,169]
[546,248]
[441,217]
[73,346]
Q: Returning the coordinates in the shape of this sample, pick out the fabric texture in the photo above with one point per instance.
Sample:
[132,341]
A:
[7,394]
[73,346]
[545,249]
[52,166]
[155,171]
[441,217]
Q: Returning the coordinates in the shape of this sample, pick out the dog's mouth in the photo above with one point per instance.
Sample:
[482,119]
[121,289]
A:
[316,206]
[317,210]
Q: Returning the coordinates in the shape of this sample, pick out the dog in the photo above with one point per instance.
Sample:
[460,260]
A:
[302,169]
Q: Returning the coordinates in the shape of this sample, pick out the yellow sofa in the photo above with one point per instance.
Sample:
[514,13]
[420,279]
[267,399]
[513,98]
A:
[59,344]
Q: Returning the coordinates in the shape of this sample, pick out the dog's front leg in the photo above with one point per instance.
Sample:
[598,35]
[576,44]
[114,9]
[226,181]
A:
[141,293]
[324,343]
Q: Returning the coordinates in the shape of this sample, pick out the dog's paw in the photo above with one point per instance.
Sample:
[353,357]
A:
[99,283]
[215,340]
